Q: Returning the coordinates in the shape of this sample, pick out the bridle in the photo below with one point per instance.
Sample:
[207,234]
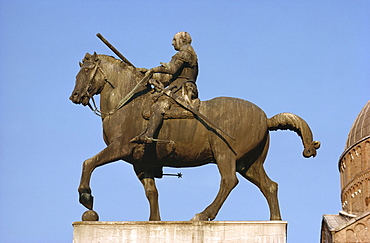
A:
[123,101]
[93,107]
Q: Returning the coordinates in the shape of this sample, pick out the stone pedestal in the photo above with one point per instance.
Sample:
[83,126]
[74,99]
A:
[180,231]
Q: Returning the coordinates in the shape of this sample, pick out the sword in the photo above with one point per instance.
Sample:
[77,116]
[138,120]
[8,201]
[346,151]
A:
[143,81]
[184,104]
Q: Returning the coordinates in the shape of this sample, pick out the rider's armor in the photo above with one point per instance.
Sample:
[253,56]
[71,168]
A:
[181,78]
[180,75]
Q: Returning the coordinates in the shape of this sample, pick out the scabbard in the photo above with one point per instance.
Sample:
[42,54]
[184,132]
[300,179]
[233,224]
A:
[184,104]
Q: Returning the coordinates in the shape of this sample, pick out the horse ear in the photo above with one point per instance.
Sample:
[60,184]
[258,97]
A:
[79,63]
[87,56]
[95,56]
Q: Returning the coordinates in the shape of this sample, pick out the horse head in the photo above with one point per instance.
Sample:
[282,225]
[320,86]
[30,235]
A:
[89,81]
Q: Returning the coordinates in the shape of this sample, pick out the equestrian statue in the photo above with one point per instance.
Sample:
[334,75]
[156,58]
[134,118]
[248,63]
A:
[154,119]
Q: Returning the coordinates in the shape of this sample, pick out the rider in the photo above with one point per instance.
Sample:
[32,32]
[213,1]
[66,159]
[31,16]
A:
[180,75]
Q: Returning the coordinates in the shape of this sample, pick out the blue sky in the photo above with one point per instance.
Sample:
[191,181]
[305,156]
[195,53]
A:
[310,58]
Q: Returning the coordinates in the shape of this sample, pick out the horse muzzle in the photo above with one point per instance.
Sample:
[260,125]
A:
[78,99]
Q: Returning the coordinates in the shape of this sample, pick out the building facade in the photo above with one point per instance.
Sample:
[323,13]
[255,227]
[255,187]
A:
[352,224]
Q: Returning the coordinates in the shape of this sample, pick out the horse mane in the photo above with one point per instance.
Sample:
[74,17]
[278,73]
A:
[111,59]
[120,73]
[117,64]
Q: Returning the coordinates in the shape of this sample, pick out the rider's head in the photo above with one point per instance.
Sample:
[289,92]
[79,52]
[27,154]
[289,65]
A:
[180,39]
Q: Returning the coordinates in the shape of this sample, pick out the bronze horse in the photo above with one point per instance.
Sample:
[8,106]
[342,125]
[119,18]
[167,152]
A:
[185,142]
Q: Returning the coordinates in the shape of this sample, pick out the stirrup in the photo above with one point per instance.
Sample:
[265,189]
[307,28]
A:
[142,139]
[149,140]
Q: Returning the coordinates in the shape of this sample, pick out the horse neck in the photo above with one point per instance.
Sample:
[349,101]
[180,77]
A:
[121,79]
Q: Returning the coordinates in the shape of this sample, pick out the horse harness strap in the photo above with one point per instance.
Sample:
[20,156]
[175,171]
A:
[167,92]
[144,80]
[124,100]
[95,109]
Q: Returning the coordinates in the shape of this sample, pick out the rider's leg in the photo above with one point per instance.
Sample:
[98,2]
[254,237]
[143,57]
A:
[190,93]
[155,121]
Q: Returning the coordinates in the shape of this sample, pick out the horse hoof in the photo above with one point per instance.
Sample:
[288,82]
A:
[87,200]
[199,217]
[90,215]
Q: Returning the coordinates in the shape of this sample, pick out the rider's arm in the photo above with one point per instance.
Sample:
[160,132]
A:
[171,67]
[175,65]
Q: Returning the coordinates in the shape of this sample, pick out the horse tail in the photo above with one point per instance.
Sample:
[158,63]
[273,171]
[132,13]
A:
[289,121]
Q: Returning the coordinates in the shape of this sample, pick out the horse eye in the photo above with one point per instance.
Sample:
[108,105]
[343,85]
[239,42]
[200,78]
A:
[86,69]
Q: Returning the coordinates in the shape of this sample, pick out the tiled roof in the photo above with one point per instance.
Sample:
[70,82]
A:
[334,221]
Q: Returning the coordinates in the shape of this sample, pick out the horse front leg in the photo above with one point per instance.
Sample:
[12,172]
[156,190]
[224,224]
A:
[110,154]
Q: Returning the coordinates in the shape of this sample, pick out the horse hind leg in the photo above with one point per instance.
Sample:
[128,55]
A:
[226,164]
[258,176]
[151,193]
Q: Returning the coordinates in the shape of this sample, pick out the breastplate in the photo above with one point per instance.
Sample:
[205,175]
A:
[189,73]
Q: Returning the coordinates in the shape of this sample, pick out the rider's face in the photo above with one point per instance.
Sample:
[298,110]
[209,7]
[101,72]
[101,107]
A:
[177,43]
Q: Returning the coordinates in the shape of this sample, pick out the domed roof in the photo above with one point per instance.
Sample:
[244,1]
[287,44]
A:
[360,128]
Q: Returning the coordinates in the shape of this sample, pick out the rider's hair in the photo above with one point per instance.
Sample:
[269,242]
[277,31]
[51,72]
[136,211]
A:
[186,38]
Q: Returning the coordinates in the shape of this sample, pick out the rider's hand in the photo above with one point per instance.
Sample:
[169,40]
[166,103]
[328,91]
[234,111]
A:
[157,85]
[155,69]
[142,70]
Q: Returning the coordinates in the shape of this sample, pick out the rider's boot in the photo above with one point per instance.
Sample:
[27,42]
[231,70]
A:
[155,121]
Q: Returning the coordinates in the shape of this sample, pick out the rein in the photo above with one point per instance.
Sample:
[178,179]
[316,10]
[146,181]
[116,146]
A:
[95,109]
[123,101]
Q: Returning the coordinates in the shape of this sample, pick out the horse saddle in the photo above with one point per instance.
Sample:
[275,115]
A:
[175,112]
